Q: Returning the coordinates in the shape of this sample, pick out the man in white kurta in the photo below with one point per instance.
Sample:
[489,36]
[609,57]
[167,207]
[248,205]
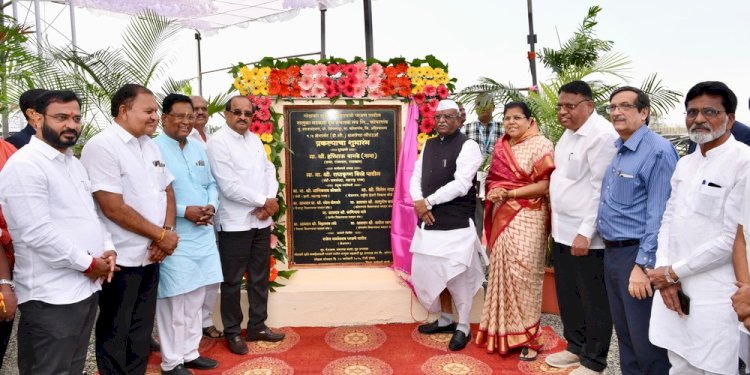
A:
[695,241]
[446,251]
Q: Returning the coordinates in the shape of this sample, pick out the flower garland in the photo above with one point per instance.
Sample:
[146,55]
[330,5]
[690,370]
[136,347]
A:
[265,125]
[423,81]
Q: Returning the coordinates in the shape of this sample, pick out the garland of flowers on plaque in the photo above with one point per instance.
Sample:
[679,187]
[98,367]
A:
[423,81]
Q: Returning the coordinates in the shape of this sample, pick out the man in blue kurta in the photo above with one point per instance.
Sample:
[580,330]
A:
[195,263]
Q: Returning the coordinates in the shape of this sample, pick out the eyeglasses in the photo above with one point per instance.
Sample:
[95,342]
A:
[569,107]
[623,107]
[65,118]
[180,117]
[447,117]
[239,113]
[514,118]
[707,112]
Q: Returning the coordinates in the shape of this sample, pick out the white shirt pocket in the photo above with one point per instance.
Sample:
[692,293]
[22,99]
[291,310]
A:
[574,168]
[708,201]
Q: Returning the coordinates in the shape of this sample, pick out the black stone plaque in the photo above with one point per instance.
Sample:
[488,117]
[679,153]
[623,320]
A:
[340,178]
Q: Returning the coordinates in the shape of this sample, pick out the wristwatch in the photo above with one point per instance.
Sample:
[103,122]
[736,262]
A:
[643,268]
[427,204]
[8,282]
[171,229]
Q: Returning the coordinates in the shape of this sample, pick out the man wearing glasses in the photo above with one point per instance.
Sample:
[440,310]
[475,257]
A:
[696,238]
[581,158]
[63,251]
[247,201]
[635,189]
[195,264]
[446,250]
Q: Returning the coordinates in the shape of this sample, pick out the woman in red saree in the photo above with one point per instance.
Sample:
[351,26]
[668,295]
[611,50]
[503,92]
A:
[517,218]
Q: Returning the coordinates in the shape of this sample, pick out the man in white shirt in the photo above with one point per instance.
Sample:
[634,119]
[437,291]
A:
[696,236]
[133,189]
[247,201]
[581,156]
[63,251]
[200,133]
[446,250]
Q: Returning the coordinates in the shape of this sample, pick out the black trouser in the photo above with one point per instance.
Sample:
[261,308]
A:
[126,318]
[6,329]
[54,339]
[240,252]
[584,308]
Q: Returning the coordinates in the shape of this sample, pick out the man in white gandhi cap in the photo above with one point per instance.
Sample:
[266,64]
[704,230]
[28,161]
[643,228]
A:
[447,254]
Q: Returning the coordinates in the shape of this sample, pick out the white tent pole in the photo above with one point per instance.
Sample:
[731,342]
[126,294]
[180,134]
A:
[38,24]
[15,9]
[73,38]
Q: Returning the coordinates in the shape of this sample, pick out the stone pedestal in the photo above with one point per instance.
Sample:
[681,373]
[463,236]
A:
[327,297]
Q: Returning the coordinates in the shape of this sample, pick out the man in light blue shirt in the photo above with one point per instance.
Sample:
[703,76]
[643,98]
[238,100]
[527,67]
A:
[635,190]
[195,263]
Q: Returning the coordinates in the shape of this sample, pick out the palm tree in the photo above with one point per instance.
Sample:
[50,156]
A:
[17,63]
[142,59]
[579,58]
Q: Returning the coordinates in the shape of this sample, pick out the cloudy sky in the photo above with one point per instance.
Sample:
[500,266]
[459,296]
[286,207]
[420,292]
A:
[683,41]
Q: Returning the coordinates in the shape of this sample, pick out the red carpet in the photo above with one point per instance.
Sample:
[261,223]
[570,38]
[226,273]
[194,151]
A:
[372,350]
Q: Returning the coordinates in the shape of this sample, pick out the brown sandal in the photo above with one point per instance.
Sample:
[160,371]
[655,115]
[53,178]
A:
[212,332]
[525,355]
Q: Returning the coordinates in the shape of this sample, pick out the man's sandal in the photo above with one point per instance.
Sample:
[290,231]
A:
[526,354]
[212,332]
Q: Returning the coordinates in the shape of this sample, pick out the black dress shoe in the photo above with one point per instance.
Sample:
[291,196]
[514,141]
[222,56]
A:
[433,327]
[237,345]
[265,335]
[202,363]
[179,370]
[154,345]
[459,340]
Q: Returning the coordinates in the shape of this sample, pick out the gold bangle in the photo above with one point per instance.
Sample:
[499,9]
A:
[163,234]
[514,194]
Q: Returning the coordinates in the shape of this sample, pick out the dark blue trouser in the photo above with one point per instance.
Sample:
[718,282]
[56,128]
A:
[631,316]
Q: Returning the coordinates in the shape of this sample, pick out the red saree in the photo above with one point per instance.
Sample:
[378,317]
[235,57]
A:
[517,236]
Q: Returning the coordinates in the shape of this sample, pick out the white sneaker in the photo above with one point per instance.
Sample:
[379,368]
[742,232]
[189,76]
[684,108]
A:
[583,370]
[563,359]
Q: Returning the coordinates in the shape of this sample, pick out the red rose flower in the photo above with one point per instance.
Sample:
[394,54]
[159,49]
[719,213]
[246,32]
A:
[262,102]
[256,127]
[333,69]
[332,91]
[391,72]
[442,92]
[426,126]
[350,69]
[274,88]
[429,90]
[263,114]
[348,91]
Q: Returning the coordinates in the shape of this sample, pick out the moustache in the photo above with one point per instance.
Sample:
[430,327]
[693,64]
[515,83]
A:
[72,132]
[700,127]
